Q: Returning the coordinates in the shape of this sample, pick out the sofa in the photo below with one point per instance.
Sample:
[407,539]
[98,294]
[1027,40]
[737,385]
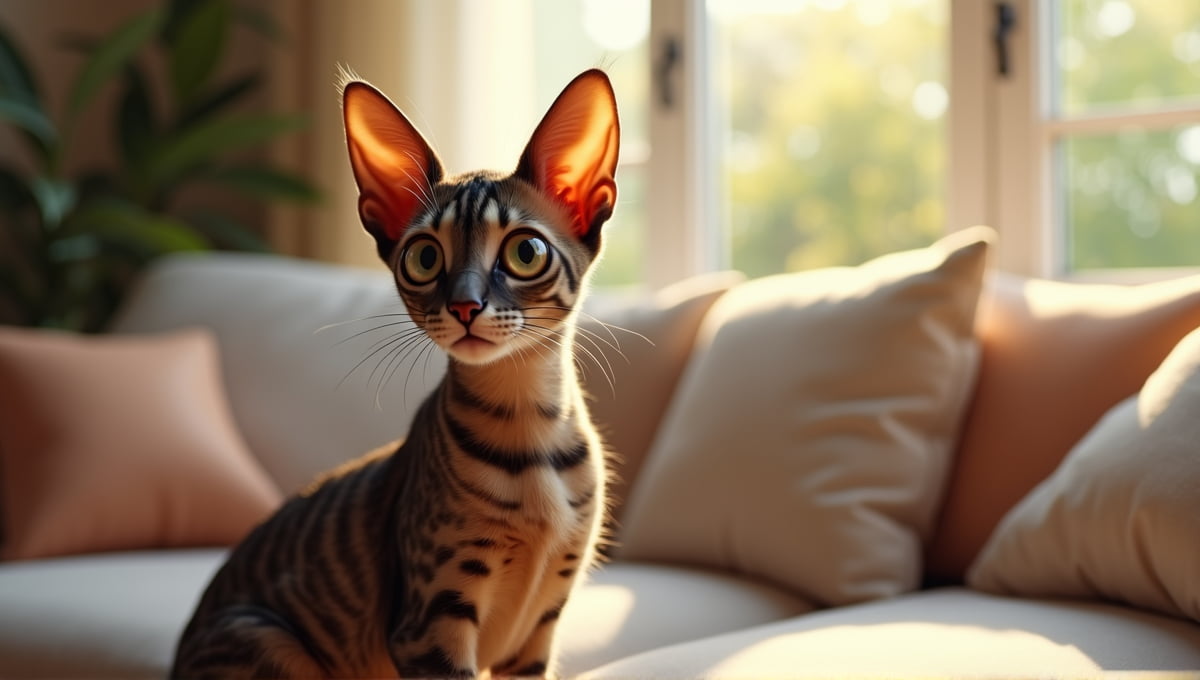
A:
[915,467]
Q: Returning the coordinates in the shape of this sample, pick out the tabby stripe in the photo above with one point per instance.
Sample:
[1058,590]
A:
[579,503]
[556,299]
[513,464]
[572,277]
[463,395]
[351,543]
[541,288]
[447,604]
[474,568]
[490,195]
[434,663]
[535,668]
[482,495]
[334,557]
[297,600]
[565,460]
[552,614]
[321,598]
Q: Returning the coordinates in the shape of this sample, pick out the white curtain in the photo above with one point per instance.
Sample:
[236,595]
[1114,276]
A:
[462,70]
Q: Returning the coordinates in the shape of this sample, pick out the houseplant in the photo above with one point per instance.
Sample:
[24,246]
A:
[72,241]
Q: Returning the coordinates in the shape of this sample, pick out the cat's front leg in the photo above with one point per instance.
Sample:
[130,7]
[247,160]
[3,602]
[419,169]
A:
[442,644]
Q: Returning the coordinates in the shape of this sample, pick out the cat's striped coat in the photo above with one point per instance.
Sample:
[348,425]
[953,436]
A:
[453,553]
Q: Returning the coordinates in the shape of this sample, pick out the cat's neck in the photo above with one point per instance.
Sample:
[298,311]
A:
[541,380]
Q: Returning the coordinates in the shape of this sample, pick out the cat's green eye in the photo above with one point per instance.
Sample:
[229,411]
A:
[422,260]
[525,255]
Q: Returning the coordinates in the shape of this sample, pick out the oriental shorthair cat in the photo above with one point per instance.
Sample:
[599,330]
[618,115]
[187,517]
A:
[452,553]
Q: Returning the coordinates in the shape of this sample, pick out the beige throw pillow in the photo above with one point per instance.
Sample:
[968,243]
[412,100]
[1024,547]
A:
[1120,518]
[809,439]
[630,369]
[120,443]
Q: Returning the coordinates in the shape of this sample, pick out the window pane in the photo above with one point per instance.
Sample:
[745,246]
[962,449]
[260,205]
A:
[1118,53]
[572,36]
[1131,199]
[833,148]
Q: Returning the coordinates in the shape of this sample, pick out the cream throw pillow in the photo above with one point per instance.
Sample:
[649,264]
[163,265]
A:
[1120,518]
[810,436]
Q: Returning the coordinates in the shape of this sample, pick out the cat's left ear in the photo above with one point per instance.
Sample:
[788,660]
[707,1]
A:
[572,155]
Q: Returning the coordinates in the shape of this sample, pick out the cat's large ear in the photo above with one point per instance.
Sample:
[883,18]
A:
[394,168]
[572,155]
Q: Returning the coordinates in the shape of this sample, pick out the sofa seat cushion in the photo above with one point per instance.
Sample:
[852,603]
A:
[629,607]
[115,615]
[949,632]
[119,615]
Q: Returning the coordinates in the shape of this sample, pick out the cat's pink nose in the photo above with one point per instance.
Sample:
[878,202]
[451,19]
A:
[466,310]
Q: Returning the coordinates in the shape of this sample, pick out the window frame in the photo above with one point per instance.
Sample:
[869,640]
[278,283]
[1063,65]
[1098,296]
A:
[1002,141]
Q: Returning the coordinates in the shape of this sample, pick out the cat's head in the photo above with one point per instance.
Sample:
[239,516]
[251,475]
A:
[488,264]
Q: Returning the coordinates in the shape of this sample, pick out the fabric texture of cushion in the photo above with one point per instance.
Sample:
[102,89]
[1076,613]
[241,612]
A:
[1056,357]
[316,373]
[810,435]
[1120,517]
[940,633]
[116,443]
[641,348]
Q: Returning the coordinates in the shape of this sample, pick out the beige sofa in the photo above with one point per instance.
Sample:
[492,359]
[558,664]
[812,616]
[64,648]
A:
[811,467]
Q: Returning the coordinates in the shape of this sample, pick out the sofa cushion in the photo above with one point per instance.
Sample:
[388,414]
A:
[117,615]
[313,380]
[1056,357]
[307,396]
[119,443]
[1120,517]
[631,354]
[120,615]
[949,632]
[627,608]
[811,433]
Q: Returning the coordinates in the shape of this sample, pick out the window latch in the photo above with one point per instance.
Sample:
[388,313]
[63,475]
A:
[1006,22]
[664,68]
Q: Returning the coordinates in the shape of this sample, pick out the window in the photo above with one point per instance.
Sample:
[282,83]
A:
[776,135]
[612,34]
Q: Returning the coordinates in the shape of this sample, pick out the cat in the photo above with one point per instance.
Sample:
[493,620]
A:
[452,553]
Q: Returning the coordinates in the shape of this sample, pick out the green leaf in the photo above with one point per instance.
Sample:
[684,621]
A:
[206,105]
[110,58]
[55,198]
[260,21]
[19,99]
[130,226]
[229,233]
[29,118]
[16,80]
[197,46]
[137,124]
[260,181]
[206,140]
[176,13]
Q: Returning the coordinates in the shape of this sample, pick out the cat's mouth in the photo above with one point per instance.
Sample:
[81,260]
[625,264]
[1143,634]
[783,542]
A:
[472,342]
[473,349]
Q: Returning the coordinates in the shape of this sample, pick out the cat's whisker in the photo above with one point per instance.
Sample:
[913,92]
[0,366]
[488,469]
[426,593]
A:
[394,352]
[588,334]
[339,324]
[610,327]
[397,357]
[401,337]
[361,333]
[550,334]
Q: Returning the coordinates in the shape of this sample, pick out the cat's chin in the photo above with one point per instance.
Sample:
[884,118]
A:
[476,351]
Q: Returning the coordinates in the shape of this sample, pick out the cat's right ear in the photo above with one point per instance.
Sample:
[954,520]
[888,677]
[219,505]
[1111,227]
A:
[393,165]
